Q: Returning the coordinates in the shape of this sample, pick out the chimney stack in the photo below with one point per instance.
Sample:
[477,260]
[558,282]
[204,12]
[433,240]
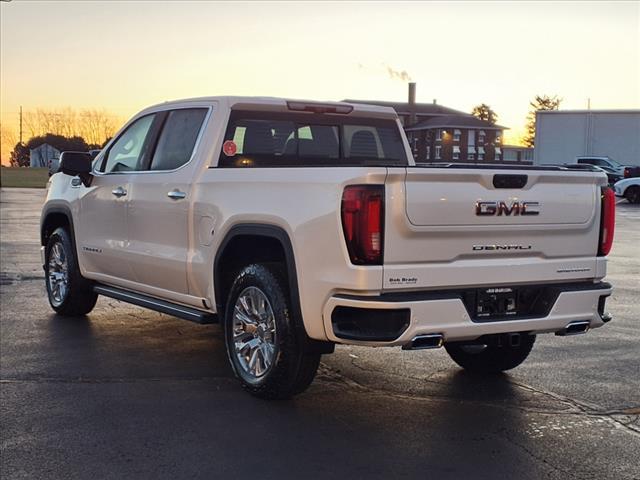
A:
[412,103]
[412,93]
[435,101]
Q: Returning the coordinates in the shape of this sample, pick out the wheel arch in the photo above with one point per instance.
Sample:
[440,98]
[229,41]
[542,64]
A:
[277,238]
[245,233]
[53,217]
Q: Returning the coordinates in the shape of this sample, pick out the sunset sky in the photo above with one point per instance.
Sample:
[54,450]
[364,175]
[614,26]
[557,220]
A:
[123,56]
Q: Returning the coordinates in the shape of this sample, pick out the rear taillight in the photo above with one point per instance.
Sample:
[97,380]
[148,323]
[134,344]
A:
[363,223]
[607,221]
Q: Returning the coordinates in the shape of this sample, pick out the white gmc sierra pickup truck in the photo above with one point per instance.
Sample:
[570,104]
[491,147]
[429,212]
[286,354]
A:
[298,225]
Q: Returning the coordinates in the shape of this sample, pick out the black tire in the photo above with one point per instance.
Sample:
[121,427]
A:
[292,369]
[632,194]
[490,358]
[76,297]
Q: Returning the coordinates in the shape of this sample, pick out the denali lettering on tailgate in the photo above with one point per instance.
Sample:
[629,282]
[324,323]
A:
[502,247]
[501,208]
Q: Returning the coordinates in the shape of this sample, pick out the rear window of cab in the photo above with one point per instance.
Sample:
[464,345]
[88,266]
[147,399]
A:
[266,139]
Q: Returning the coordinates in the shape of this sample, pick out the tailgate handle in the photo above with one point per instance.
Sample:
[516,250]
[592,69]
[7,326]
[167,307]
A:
[509,181]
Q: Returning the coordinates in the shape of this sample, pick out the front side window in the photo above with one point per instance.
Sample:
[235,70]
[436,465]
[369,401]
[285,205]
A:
[178,138]
[260,139]
[130,149]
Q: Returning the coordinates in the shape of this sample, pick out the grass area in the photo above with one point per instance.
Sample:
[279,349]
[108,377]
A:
[23,177]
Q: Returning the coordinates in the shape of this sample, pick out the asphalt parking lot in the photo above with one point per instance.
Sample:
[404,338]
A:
[127,393]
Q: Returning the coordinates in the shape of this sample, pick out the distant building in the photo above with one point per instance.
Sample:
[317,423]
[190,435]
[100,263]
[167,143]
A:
[441,134]
[44,156]
[517,153]
[563,135]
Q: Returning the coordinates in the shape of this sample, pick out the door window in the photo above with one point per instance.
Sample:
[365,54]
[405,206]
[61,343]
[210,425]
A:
[128,152]
[178,138]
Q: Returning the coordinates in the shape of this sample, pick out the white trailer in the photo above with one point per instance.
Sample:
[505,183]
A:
[563,135]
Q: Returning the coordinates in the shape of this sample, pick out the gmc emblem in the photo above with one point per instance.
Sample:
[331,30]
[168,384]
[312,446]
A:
[502,208]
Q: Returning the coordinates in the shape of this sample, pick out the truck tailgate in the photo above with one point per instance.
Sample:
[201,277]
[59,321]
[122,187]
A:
[454,227]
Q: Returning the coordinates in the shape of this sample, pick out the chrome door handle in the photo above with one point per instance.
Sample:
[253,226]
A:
[119,192]
[176,194]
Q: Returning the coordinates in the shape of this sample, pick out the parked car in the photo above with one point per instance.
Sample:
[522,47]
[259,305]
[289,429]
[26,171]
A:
[300,225]
[612,176]
[605,162]
[628,188]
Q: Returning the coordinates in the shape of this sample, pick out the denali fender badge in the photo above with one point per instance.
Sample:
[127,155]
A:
[501,208]
[501,247]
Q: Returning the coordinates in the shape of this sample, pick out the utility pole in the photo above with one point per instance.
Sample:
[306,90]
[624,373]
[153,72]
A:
[20,124]
[588,103]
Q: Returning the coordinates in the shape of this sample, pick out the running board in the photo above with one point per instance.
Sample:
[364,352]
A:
[162,306]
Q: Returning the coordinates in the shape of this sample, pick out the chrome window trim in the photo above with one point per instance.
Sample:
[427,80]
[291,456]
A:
[155,112]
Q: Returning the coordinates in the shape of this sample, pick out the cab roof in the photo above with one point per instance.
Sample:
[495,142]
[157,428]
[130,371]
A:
[281,104]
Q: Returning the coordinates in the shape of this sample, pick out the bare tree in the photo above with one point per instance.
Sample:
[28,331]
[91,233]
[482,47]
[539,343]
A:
[8,139]
[540,102]
[94,125]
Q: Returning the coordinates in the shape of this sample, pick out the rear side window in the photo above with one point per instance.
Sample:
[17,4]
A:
[178,138]
[260,139]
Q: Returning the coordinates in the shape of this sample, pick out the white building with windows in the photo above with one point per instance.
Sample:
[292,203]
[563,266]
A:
[563,135]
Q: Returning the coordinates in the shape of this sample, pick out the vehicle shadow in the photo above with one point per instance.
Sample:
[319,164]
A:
[472,427]
[130,344]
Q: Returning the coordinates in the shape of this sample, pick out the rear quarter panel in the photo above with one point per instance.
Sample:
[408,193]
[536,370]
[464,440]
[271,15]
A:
[305,203]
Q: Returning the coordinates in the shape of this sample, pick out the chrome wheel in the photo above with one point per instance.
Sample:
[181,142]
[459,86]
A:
[57,274]
[254,332]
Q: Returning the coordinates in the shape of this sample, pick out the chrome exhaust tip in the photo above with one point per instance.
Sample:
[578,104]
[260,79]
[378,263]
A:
[425,342]
[574,328]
